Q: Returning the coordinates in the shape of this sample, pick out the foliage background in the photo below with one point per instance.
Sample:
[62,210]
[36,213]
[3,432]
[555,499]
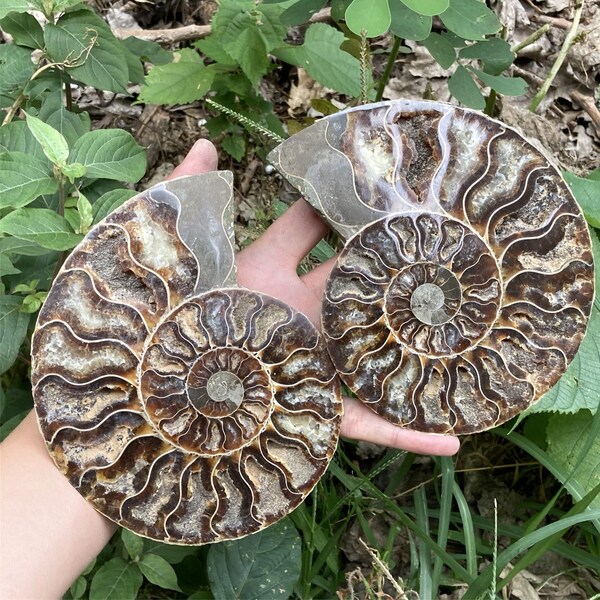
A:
[90,112]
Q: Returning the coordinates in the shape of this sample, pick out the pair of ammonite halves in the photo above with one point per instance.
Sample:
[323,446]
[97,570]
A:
[191,410]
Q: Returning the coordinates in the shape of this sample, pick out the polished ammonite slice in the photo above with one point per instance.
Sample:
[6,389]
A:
[182,407]
[466,283]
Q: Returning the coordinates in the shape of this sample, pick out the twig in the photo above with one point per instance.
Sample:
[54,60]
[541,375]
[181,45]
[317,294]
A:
[569,41]
[364,93]
[165,36]
[556,21]
[588,104]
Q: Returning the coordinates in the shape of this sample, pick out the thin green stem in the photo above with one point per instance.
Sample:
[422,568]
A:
[560,58]
[388,68]
[534,37]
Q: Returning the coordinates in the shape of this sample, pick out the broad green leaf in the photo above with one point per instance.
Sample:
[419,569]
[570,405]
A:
[234,145]
[40,225]
[323,59]
[177,83]
[110,154]
[93,55]
[148,51]
[212,47]
[263,565]
[465,90]
[134,544]
[229,11]
[587,194]
[271,28]
[108,202]
[86,216]
[371,16]
[470,19]
[7,427]
[171,553]
[566,436]
[495,54]
[338,9]
[6,266]
[158,571]
[509,86]
[301,11]
[16,68]
[13,330]
[23,178]
[71,125]
[8,6]
[441,50]
[73,171]
[428,8]
[579,387]
[16,137]
[116,579]
[24,28]
[78,588]
[10,245]
[407,24]
[53,143]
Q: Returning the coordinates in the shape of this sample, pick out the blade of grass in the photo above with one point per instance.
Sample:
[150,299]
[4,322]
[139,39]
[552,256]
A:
[467,528]
[425,575]
[481,584]
[447,468]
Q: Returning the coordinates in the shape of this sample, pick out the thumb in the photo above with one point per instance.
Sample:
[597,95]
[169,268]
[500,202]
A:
[200,159]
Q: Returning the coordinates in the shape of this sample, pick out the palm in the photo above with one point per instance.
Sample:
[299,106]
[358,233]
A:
[270,265]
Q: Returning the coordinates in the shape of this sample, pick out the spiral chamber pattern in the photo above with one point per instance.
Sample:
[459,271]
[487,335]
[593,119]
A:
[181,406]
[466,282]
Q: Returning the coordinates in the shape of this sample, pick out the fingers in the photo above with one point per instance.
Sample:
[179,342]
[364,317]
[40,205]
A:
[200,159]
[363,424]
[289,239]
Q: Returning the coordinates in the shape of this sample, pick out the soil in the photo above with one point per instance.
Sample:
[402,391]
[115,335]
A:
[566,126]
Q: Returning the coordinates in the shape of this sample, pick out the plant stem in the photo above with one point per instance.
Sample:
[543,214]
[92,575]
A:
[569,41]
[490,103]
[388,68]
[534,37]
[364,94]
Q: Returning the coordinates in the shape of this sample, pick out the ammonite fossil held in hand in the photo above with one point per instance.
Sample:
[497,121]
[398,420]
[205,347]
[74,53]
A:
[466,282]
[182,407]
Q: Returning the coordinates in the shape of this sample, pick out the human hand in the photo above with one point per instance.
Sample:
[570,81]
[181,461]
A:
[270,264]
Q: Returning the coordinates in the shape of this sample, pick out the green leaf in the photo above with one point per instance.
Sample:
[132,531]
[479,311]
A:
[171,553]
[579,387]
[53,143]
[16,137]
[470,19]
[242,40]
[23,178]
[11,245]
[110,201]
[212,47]
[13,330]
[110,154]
[323,59]
[159,572]
[509,86]
[6,266]
[86,216]
[16,68]
[301,11]
[116,578]
[263,565]
[134,544]
[93,55]
[179,82]
[73,171]
[71,125]
[270,26]
[148,51]
[465,90]
[234,145]
[19,6]
[441,50]
[24,28]
[407,24]
[587,194]
[566,436]
[40,225]
[428,8]
[495,54]
[371,16]
[78,588]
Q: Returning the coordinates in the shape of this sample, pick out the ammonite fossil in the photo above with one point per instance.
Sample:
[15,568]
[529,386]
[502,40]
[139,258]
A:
[182,407]
[466,282]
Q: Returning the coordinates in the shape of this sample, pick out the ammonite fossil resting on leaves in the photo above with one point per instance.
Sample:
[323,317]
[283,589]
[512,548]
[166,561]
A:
[191,410]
